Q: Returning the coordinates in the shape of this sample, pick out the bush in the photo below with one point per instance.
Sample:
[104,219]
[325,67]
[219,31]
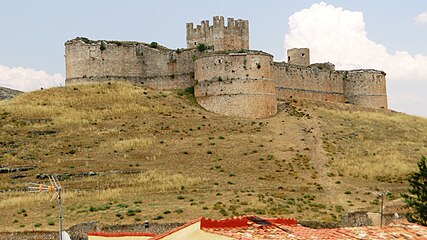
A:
[130,213]
[201,47]
[158,217]
[51,223]
[137,219]
[37,225]
[154,44]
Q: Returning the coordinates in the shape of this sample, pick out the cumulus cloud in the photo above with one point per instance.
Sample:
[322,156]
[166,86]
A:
[421,18]
[27,79]
[336,35]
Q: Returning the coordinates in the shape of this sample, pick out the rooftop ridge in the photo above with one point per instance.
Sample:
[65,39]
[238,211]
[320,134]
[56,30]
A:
[245,221]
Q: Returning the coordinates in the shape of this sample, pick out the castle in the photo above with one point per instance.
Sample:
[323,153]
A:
[228,78]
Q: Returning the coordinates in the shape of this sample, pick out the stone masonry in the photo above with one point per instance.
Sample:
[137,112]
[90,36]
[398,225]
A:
[227,77]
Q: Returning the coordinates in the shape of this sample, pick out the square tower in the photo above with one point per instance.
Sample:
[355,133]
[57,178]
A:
[299,56]
[234,36]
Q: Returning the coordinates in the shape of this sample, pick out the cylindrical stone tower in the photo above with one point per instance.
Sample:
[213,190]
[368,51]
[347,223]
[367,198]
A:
[299,56]
[236,84]
[366,88]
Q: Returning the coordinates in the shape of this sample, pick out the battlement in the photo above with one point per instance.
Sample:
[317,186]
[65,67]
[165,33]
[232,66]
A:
[234,36]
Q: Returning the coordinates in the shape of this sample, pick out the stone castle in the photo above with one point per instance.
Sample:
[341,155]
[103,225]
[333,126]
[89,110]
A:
[228,78]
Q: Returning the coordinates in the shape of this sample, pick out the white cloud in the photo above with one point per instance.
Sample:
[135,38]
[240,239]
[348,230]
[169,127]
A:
[27,79]
[421,18]
[339,36]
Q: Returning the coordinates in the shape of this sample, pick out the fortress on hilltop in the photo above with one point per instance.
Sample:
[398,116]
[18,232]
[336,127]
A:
[228,78]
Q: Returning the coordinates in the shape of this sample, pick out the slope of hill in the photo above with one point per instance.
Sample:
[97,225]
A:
[6,93]
[127,154]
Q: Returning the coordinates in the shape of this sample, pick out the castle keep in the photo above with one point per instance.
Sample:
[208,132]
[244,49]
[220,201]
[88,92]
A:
[228,78]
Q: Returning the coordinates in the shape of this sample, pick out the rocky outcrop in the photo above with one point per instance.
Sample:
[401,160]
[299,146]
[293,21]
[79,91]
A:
[7,93]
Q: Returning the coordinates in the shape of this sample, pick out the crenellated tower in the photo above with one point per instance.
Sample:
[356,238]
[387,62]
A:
[234,36]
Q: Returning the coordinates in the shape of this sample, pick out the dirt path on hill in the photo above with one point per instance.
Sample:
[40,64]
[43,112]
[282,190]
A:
[317,152]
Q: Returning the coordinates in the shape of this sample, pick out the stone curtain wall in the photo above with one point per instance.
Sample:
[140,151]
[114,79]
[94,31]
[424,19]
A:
[366,88]
[234,36]
[236,84]
[159,68]
[294,81]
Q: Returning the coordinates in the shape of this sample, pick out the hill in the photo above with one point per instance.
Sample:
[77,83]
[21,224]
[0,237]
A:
[6,93]
[127,154]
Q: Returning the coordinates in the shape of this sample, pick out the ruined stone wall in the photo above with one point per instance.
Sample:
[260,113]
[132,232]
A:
[159,68]
[294,81]
[234,36]
[366,88]
[236,84]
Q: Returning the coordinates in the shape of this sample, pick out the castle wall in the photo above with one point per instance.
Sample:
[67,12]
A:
[294,81]
[159,68]
[366,88]
[236,84]
[234,36]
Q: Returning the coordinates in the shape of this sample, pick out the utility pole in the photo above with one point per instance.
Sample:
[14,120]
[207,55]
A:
[55,188]
[382,209]
[381,194]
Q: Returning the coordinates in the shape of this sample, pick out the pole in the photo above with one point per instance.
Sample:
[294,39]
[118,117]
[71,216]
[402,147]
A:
[381,210]
[60,212]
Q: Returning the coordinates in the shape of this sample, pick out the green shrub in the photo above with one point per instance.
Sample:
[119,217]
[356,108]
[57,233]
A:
[37,225]
[51,223]
[154,44]
[180,197]
[122,205]
[201,47]
[131,212]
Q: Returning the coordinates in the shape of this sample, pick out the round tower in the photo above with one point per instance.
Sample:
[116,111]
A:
[366,88]
[236,84]
[299,56]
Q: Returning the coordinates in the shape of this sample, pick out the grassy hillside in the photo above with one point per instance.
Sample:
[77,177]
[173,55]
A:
[129,154]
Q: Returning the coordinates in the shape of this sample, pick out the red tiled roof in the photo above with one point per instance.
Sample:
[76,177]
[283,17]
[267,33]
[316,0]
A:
[286,229]
[120,234]
[254,228]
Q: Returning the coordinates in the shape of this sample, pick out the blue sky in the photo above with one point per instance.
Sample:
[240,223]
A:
[32,33]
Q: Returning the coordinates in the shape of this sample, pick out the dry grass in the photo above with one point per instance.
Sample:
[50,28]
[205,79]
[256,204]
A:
[191,159]
[374,144]
[128,144]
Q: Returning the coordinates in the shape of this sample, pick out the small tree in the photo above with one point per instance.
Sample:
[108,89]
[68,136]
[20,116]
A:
[417,198]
